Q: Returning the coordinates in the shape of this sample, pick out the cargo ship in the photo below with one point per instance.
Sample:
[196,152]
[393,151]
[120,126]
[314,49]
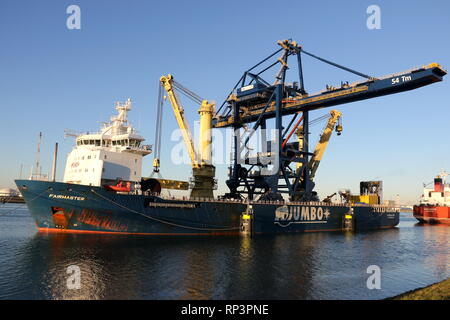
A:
[104,192]
[434,206]
[271,187]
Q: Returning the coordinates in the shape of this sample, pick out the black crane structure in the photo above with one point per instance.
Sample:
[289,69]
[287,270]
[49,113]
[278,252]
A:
[253,100]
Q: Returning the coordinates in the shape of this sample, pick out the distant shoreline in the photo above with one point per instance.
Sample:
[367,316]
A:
[12,199]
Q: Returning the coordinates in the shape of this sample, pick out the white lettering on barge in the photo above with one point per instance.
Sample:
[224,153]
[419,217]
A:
[385,209]
[286,215]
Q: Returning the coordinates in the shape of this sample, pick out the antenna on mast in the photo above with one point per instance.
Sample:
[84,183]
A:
[38,157]
[36,174]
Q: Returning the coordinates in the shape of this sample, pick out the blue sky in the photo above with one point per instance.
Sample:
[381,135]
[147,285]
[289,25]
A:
[53,78]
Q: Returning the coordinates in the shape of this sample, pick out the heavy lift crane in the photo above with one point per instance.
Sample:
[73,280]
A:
[255,100]
[203,172]
[332,124]
[155,183]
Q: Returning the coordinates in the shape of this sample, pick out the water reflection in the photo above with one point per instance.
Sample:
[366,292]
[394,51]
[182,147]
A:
[302,266]
[437,237]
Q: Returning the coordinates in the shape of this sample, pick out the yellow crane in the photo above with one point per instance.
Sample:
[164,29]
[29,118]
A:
[203,172]
[321,146]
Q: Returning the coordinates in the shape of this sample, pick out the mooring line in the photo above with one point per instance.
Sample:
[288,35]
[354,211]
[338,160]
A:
[163,221]
[21,206]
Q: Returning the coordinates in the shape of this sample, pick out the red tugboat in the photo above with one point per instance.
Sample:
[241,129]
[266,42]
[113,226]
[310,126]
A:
[434,205]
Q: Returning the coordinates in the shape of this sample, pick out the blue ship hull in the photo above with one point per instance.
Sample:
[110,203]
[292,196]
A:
[64,207]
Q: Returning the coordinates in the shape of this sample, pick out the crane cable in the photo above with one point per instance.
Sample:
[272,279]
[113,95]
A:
[158,131]
[337,65]
[292,131]
[276,62]
[311,123]
[188,93]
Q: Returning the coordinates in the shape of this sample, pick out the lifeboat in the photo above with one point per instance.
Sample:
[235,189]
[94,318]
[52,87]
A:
[119,187]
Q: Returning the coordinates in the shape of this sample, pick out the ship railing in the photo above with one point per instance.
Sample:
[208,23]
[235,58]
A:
[259,202]
[90,133]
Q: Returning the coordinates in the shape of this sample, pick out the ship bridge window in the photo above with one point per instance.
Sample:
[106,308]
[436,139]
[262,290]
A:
[85,141]
[134,143]
[97,143]
[120,143]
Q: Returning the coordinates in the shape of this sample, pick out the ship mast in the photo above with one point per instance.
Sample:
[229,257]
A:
[37,167]
[120,121]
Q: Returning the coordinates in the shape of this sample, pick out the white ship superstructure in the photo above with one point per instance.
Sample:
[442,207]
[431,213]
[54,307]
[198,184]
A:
[115,153]
[439,195]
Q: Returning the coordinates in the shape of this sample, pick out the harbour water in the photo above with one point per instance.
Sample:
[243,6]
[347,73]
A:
[34,265]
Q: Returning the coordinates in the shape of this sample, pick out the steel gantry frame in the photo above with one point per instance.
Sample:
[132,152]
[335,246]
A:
[255,100]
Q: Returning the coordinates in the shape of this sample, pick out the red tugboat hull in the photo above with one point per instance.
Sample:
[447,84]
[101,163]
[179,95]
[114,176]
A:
[432,214]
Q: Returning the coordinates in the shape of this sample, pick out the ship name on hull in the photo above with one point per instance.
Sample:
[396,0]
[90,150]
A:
[64,197]
[385,209]
[287,215]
